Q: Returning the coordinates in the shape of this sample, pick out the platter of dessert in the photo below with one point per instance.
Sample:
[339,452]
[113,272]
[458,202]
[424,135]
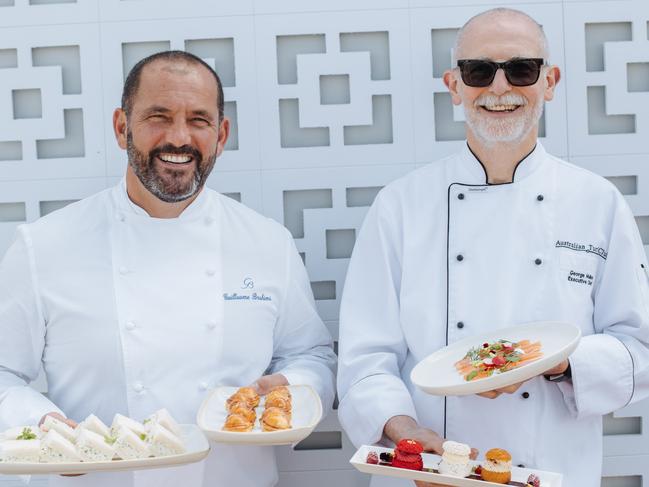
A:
[496,359]
[454,467]
[54,447]
[286,415]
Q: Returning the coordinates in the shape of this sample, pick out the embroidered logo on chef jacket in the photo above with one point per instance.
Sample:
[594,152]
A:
[247,283]
[578,247]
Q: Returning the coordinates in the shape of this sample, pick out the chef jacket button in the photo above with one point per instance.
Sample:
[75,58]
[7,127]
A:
[121,217]
[123,270]
[203,386]
[211,325]
[525,395]
[460,257]
[130,325]
[460,325]
[210,272]
[460,196]
[540,197]
[538,261]
[520,465]
[209,220]
[138,387]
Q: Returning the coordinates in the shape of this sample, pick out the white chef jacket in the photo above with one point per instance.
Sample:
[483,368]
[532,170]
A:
[443,255]
[129,314]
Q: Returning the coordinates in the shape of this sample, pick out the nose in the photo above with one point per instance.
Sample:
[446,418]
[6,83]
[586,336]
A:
[178,133]
[500,84]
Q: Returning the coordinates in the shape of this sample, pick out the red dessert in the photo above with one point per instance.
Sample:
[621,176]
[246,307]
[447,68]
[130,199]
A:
[407,454]
[372,458]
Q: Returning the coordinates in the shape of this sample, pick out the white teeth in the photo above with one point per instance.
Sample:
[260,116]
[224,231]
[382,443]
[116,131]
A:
[500,108]
[176,159]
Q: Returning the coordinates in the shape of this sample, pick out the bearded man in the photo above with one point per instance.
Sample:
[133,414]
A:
[488,238]
[130,299]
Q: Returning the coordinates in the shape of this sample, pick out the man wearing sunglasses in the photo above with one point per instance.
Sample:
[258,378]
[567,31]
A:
[500,234]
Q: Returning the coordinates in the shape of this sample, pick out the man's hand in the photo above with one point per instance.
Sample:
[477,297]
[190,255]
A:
[69,422]
[265,383]
[400,427]
[559,369]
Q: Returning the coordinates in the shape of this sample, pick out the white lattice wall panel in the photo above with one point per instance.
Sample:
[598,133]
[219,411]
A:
[219,42]
[37,12]
[129,10]
[607,74]
[50,103]
[324,209]
[333,89]
[439,126]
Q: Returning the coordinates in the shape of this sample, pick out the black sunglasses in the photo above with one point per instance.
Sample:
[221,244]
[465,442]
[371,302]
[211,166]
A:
[479,73]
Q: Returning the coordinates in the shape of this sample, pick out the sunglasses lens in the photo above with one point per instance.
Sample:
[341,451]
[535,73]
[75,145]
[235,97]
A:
[523,72]
[478,73]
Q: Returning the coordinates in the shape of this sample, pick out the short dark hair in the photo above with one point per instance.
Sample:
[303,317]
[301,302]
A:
[133,79]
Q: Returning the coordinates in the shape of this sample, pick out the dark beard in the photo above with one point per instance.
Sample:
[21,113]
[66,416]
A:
[172,188]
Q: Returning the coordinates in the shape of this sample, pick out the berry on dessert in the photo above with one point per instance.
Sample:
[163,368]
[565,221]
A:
[497,466]
[533,481]
[386,456]
[372,458]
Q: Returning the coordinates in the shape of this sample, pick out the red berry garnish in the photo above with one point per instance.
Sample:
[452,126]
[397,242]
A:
[372,458]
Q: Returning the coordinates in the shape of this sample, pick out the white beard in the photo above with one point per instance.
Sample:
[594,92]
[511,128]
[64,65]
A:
[511,129]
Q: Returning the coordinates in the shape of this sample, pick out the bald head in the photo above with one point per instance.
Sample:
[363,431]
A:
[475,26]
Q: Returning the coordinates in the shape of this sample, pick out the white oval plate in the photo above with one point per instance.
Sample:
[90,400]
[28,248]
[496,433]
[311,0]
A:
[436,374]
[195,442]
[306,414]
[548,479]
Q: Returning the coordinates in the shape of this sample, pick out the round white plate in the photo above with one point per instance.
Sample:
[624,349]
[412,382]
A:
[195,442]
[306,414]
[436,374]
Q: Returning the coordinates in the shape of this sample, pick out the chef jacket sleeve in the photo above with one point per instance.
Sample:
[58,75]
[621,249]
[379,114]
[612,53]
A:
[22,329]
[372,348]
[303,347]
[610,368]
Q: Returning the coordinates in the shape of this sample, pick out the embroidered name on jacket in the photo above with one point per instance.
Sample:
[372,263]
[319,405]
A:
[591,249]
[246,297]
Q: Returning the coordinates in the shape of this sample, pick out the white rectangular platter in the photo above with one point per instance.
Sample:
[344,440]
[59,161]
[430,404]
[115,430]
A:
[195,442]
[548,479]
[306,414]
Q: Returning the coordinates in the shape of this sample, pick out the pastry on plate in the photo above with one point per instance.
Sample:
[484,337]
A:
[237,423]
[497,467]
[247,395]
[407,454]
[275,419]
[278,400]
[242,409]
[56,448]
[163,442]
[456,459]
[283,390]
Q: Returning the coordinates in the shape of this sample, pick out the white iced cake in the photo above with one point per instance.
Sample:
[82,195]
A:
[456,459]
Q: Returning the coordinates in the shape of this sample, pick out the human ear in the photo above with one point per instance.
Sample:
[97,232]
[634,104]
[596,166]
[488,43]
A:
[552,76]
[451,82]
[120,127]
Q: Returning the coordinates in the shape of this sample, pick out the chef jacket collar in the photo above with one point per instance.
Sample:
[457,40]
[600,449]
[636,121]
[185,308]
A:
[477,173]
[196,208]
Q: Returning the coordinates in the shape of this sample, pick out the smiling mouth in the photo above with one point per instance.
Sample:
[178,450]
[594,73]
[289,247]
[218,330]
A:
[175,158]
[500,108]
